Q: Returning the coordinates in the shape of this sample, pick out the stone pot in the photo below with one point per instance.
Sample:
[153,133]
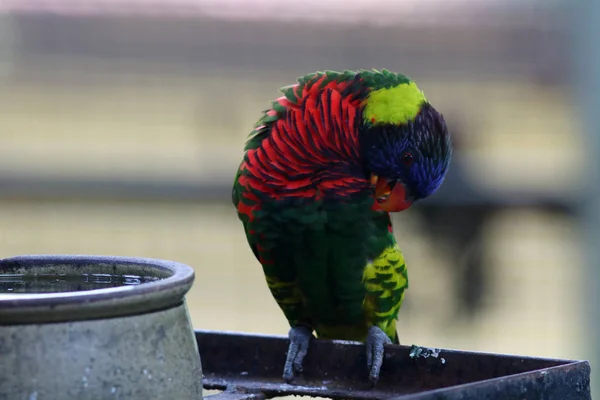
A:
[96,327]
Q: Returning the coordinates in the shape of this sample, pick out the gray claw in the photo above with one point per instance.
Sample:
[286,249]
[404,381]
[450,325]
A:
[300,337]
[376,339]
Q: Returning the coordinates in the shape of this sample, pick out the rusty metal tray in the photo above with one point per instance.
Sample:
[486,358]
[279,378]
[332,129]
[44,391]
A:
[249,366]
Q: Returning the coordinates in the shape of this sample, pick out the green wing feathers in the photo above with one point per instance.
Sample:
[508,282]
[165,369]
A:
[386,280]
[336,278]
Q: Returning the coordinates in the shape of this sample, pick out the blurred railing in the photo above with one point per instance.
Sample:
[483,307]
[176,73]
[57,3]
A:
[66,43]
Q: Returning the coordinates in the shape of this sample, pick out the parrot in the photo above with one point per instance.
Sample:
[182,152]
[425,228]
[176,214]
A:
[322,170]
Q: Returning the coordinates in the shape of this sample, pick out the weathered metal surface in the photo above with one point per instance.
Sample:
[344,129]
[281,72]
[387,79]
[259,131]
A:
[250,367]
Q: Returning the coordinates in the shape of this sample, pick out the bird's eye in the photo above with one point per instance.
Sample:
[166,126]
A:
[407,158]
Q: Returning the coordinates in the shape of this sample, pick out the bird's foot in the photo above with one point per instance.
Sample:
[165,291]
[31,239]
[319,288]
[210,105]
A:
[376,339]
[300,337]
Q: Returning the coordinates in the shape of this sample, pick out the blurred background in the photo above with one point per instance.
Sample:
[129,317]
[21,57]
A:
[122,124]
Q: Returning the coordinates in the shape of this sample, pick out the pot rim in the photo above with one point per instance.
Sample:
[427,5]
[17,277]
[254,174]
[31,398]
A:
[97,303]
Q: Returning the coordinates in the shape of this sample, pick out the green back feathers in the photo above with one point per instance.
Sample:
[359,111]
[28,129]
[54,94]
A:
[383,79]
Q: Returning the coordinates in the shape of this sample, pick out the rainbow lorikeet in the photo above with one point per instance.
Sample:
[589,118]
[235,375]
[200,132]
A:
[322,169]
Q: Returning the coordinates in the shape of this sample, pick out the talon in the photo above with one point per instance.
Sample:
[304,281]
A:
[300,337]
[376,339]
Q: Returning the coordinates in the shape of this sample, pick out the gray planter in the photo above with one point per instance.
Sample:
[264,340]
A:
[94,327]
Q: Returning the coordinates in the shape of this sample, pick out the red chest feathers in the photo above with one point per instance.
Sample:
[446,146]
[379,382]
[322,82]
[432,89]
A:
[310,150]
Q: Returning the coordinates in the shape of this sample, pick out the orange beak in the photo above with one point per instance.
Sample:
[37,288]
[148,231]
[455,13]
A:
[390,195]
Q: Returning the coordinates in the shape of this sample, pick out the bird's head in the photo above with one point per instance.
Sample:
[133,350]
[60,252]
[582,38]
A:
[406,147]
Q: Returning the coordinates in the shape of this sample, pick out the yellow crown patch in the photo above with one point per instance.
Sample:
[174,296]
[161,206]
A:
[395,105]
